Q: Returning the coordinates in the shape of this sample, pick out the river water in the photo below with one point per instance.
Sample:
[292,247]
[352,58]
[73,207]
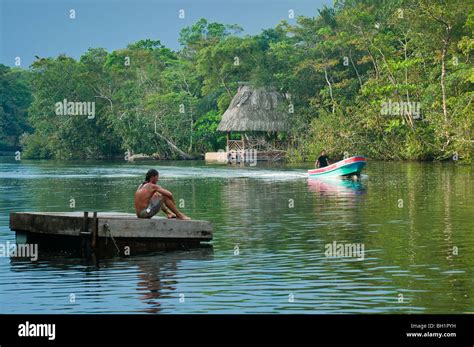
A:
[272,230]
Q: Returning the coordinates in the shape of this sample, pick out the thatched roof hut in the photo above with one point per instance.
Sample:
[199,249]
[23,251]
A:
[255,109]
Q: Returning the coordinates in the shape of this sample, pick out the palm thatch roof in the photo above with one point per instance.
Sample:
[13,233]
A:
[255,109]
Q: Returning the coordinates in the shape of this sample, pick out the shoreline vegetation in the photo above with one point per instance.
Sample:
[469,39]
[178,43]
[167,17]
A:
[391,81]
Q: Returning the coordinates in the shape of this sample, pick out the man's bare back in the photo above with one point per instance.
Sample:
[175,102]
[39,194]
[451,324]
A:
[143,195]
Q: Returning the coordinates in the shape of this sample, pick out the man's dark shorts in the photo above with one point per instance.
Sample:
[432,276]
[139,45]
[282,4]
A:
[152,209]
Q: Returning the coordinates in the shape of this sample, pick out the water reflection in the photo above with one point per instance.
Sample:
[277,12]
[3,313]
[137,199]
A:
[336,186]
[278,220]
[155,276]
[153,281]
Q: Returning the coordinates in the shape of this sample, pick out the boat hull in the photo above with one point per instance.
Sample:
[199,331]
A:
[346,167]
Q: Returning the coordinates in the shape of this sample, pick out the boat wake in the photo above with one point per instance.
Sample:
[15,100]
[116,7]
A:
[166,172]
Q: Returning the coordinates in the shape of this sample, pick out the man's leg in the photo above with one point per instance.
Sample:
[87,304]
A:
[164,208]
[167,211]
[171,205]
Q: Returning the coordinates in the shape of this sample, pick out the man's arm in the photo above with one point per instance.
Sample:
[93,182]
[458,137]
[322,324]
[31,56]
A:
[156,188]
[164,192]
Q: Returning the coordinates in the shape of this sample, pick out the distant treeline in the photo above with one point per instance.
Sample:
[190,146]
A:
[386,79]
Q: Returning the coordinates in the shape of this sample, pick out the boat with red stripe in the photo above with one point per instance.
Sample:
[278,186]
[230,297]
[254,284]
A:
[347,167]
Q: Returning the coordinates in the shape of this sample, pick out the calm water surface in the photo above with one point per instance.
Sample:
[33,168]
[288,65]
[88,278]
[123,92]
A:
[415,221]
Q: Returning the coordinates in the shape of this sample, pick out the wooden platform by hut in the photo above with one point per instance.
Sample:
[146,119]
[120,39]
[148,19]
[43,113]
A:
[106,232]
[254,113]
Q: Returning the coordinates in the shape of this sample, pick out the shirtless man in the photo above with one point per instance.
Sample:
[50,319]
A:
[150,198]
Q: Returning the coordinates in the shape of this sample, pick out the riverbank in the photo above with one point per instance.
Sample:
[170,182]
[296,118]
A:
[140,158]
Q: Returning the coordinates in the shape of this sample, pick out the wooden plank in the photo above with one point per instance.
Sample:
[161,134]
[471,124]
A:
[47,224]
[158,228]
[121,225]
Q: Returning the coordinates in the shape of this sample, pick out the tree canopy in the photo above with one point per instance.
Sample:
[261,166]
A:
[391,80]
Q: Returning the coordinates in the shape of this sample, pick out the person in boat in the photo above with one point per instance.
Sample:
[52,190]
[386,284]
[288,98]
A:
[323,160]
[150,198]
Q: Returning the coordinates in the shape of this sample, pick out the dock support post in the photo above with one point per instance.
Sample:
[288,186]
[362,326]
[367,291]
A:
[94,231]
[84,231]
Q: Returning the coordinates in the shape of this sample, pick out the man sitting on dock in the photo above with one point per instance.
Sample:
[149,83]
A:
[323,160]
[150,198]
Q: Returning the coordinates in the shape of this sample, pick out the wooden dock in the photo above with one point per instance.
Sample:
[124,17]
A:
[107,232]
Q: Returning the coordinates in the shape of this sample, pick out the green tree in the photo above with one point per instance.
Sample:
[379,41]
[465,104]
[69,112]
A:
[15,98]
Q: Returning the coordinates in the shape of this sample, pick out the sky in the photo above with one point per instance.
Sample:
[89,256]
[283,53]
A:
[44,27]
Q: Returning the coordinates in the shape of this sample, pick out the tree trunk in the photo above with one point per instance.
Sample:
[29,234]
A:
[330,89]
[171,144]
[410,116]
[355,69]
[443,79]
